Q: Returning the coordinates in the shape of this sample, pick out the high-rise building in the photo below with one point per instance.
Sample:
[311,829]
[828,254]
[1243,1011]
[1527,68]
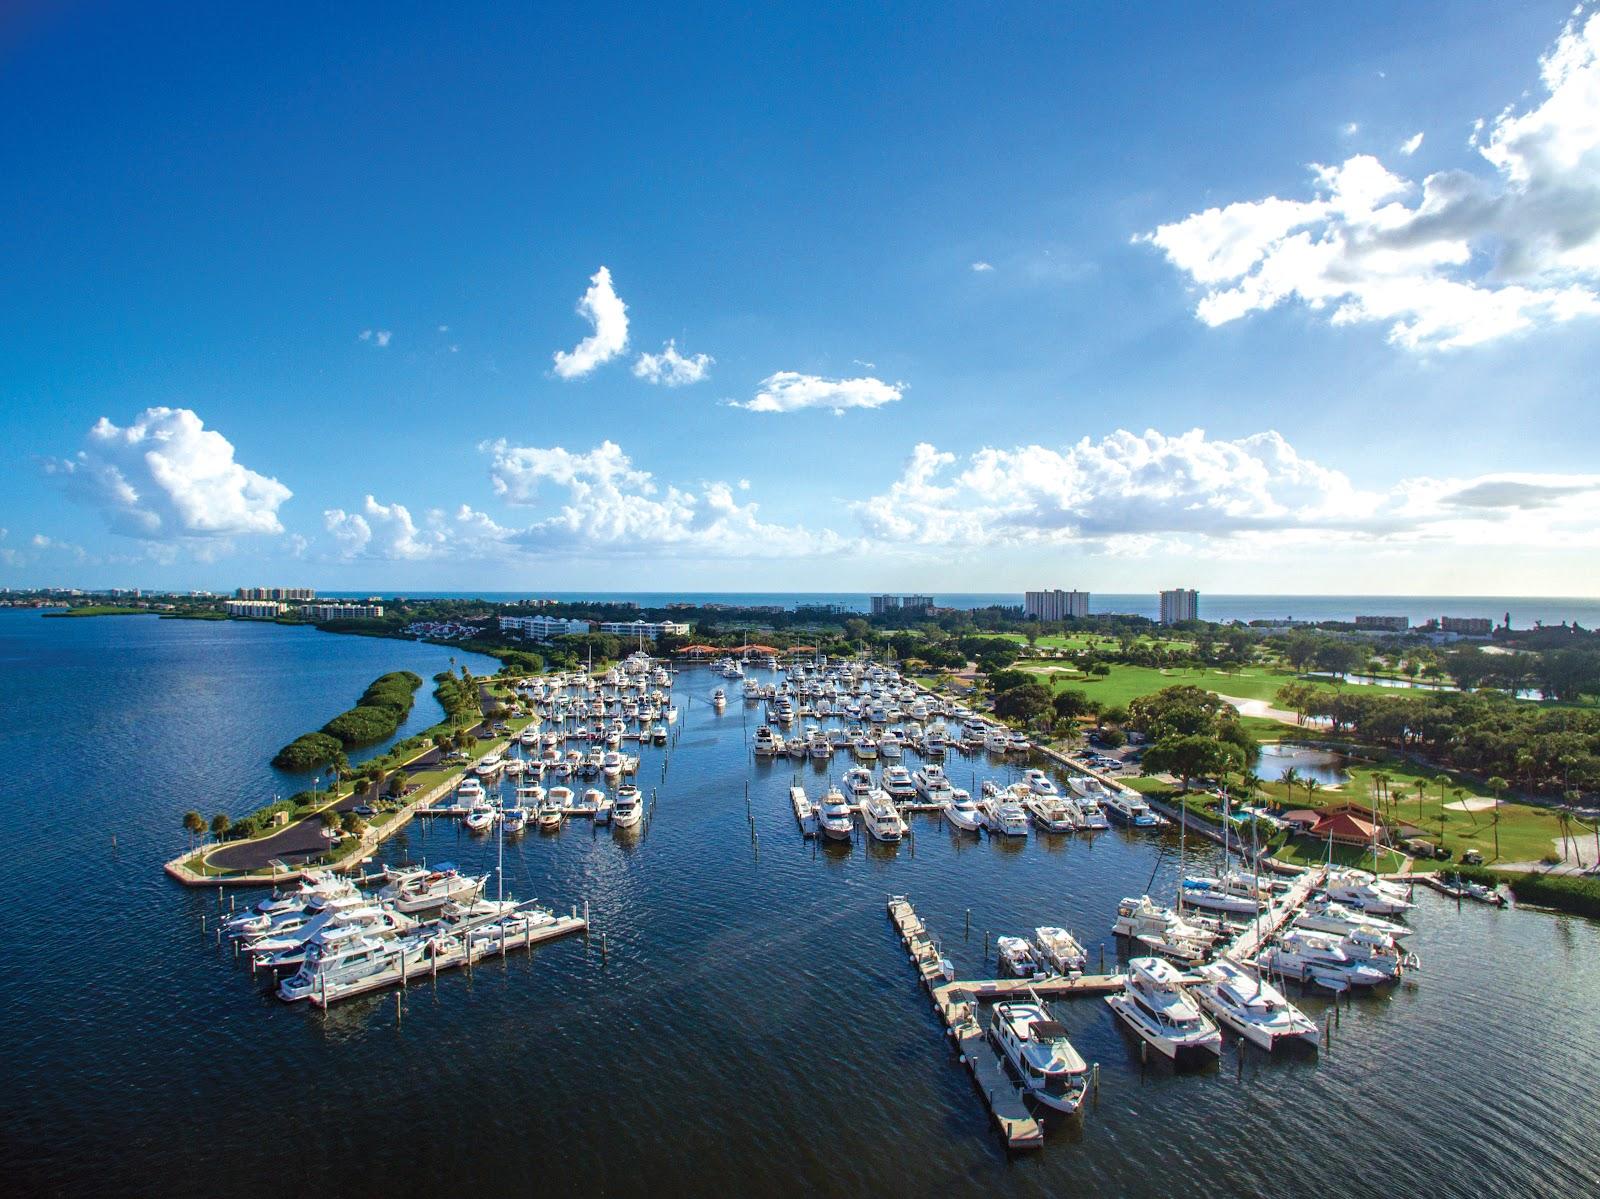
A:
[276,593]
[1055,605]
[1467,626]
[1179,605]
[916,603]
[884,603]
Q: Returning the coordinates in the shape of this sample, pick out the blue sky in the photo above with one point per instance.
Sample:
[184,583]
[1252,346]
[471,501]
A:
[294,259]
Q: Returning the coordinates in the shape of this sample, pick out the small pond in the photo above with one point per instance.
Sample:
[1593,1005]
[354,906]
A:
[1327,767]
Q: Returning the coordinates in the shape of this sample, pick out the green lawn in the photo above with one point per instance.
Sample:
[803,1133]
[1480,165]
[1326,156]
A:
[1527,832]
[102,610]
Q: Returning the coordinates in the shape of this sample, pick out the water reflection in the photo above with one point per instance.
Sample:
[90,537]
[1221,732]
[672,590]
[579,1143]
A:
[1327,767]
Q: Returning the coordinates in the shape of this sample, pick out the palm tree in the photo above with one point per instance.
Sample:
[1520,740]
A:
[194,824]
[1422,793]
[1380,782]
[219,825]
[1289,778]
[1312,786]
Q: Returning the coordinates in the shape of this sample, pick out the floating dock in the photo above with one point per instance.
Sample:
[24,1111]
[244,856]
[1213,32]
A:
[1248,942]
[957,1004]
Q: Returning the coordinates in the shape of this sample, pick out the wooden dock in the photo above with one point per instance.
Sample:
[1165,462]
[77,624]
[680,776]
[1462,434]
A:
[957,1003]
[1260,930]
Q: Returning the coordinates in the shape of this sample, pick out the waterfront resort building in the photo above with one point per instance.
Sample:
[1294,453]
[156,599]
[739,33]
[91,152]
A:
[899,603]
[292,594]
[645,628]
[337,611]
[1467,626]
[1055,605]
[1179,605]
[1385,624]
[542,628]
[257,609]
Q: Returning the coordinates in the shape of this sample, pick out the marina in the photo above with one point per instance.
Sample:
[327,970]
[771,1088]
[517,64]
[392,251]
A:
[671,916]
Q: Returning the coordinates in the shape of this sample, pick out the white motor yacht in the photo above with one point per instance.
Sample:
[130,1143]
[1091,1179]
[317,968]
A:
[880,817]
[1251,1006]
[1040,783]
[421,889]
[834,818]
[897,782]
[1127,807]
[1003,815]
[1359,889]
[469,792]
[1052,1071]
[628,809]
[963,811]
[1154,1004]
[1329,916]
[719,699]
[767,744]
[930,781]
[1051,813]
[328,975]
[489,766]
[1163,931]
[482,816]
[1060,950]
[857,782]
[1318,958]
[1017,957]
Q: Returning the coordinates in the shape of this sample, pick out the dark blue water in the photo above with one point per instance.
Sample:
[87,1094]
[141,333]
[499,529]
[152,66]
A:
[1524,610]
[753,1029]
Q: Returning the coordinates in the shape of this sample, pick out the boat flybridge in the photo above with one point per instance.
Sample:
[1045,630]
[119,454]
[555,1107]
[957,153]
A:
[1130,809]
[1060,950]
[1052,1071]
[421,889]
[1330,916]
[1319,958]
[1162,931]
[882,820]
[963,811]
[1251,1006]
[627,810]
[1050,812]
[1155,1006]
[1003,815]
[931,783]
[834,818]
[1017,957]
[1040,783]
[1359,889]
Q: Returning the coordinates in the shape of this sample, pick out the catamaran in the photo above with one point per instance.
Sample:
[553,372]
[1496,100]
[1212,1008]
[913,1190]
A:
[1154,1004]
[1251,1006]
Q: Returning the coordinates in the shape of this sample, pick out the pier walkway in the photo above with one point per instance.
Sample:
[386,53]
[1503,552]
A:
[957,1004]
[1260,930]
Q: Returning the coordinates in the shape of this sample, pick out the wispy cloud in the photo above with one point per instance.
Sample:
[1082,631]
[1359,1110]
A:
[982,266]
[608,315]
[1411,145]
[376,337]
[790,391]
[1460,261]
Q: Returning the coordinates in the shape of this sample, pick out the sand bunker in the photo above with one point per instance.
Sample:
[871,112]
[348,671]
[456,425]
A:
[1471,805]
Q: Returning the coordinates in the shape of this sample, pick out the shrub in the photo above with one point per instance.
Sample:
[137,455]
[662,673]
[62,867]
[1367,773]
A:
[308,752]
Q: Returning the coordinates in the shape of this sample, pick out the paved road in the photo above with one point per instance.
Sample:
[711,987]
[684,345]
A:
[300,841]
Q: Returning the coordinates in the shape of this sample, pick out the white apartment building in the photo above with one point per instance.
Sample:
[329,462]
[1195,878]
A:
[542,628]
[258,609]
[339,611]
[1179,605]
[651,629]
[1055,605]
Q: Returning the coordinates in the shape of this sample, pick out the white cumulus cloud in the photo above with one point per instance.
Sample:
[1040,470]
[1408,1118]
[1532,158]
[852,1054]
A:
[608,505]
[604,310]
[1128,492]
[166,476]
[790,391]
[671,368]
[1458,260]
[389,532]
[982,266]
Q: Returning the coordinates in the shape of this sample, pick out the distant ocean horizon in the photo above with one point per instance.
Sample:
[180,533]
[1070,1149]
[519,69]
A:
[1525,611]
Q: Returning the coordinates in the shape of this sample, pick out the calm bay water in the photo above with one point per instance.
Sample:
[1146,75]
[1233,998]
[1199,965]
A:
[754,1029]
